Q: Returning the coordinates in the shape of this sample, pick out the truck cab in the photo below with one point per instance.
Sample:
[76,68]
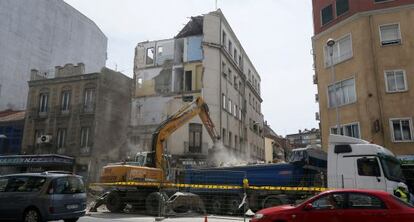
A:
[356,163]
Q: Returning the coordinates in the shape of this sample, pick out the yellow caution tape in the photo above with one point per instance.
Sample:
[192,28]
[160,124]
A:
[208,186]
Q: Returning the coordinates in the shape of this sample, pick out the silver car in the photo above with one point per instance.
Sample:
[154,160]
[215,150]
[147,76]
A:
[35,197]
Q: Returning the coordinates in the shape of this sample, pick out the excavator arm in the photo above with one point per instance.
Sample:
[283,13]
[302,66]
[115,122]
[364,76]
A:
[174,122]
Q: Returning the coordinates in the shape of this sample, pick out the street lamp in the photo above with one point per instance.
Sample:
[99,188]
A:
[330,43]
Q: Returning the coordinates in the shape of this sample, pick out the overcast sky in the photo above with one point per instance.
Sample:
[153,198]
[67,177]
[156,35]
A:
[276,35]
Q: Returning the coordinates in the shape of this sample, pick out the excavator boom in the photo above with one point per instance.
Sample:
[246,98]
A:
[174,122]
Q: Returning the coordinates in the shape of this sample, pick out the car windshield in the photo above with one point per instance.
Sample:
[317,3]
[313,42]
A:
[68,185]
[392,168]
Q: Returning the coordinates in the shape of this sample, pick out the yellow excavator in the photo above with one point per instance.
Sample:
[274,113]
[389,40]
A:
[152,166]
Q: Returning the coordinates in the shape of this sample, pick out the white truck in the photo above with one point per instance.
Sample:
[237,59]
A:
[356,163]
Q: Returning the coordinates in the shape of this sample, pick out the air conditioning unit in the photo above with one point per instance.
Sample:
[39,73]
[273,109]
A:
[44,139]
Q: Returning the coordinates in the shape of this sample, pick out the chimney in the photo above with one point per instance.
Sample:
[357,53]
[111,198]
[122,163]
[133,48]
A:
[81,68]
[33,74]
[57,70]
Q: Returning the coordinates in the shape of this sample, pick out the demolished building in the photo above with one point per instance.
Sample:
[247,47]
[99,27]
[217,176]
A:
[204,59]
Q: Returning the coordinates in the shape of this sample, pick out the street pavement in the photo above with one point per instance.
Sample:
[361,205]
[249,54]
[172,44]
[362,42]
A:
[106,216]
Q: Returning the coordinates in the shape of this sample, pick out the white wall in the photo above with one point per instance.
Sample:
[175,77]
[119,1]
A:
[42,34]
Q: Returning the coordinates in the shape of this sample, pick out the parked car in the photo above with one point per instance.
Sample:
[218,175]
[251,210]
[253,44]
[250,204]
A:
[342,206]
[35,197]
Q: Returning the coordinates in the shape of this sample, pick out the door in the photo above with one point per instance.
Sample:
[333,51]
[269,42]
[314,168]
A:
[369,174]
[366,208]
[14,194]
[327,208]
[346,171]
[68,195]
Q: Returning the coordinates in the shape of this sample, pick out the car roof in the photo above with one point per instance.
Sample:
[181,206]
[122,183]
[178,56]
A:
[42,174]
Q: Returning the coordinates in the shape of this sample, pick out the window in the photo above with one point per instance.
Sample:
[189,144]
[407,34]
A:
[224,39]
[401,129]
[236,142]
[342,50]
[139,81]
[43,100]
[84,140]
[195,140]
[224,101]
[230,140]
[235,81]
[327,14]
[250,75]
[235,55]
[22,184]
[159,51]
[342,6]
[223,68]
[368,166]
[230,47]
[329,202]
[89,100]
[65,101]
[390,34]
[364,201]
[223,135]
[149,56]
[230,107]
[381,1]
[68,185]
[229,72]
[3,183]
[240,62]
[61,138]
[395,81]
[235,110]
[351,130]
[345,93]
[188,80]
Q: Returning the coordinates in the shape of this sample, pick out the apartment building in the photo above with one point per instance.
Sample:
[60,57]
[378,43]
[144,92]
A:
[77,114]
[277,148]
[372,61]
[304,138]
[204,59]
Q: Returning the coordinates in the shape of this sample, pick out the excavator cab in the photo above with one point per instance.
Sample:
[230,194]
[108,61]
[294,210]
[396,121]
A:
[147,159]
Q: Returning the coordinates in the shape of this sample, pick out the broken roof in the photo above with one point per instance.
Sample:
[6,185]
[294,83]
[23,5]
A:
[193,27]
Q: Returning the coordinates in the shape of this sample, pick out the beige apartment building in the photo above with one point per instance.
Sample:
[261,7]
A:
[81,115]
[373,62]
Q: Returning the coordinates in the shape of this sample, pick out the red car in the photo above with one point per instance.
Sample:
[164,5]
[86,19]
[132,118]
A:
[342,206]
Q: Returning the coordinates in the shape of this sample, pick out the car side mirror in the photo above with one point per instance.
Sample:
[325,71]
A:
[308,206]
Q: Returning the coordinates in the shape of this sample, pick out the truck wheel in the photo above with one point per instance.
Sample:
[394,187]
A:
[155,202]
[233,205]
[215,205]
[114,202]
[271,201]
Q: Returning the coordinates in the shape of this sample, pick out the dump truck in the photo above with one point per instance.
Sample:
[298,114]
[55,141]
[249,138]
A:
[149,182]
